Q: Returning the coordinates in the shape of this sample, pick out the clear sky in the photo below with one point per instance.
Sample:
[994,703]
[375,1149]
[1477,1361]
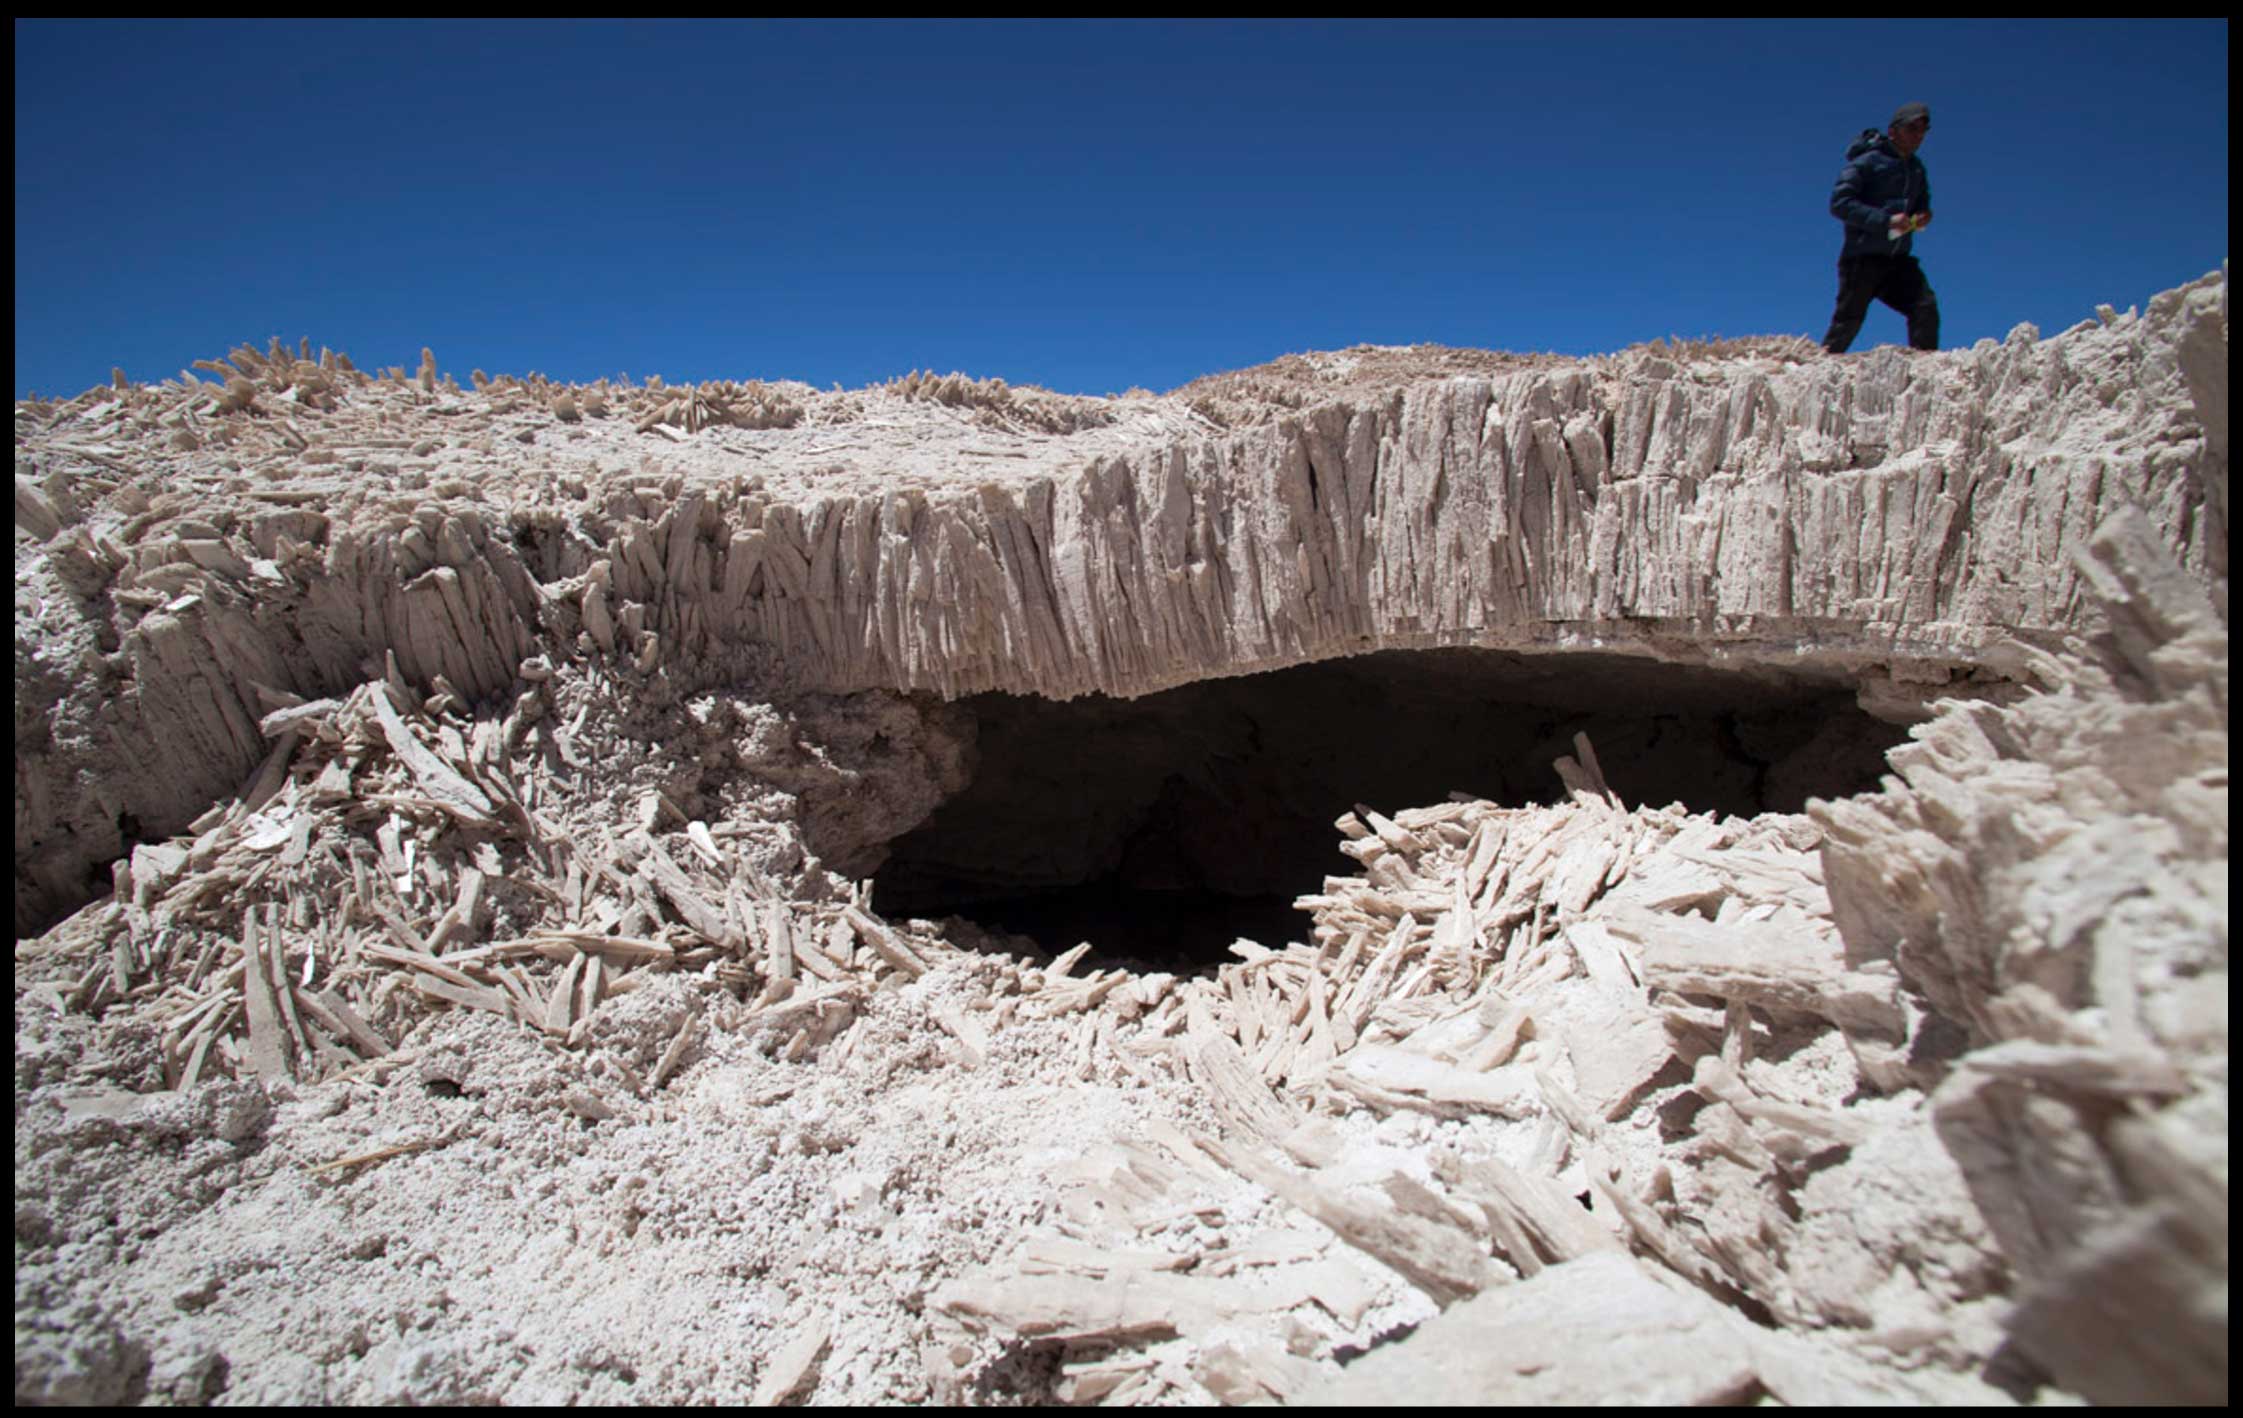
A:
[1086,206]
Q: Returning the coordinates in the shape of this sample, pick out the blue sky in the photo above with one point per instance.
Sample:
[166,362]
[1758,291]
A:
[1086,206]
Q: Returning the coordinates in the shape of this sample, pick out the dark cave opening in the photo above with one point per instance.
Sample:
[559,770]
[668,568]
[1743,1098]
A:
[1160,829]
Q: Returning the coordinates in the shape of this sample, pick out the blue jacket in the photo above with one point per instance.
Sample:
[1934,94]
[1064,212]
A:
[1877,183]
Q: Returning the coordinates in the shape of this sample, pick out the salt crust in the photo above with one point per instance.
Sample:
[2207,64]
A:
[581,1080]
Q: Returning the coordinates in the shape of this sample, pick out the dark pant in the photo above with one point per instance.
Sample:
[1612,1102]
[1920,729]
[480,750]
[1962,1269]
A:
[1897,281]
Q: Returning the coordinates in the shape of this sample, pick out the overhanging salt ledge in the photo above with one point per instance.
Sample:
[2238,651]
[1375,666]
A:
[1895,519]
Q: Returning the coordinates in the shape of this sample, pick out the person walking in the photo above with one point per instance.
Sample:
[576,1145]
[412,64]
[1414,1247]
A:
[1884,198]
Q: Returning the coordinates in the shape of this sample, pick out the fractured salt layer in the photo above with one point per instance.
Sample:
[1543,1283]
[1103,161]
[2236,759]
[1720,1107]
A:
[1887,515]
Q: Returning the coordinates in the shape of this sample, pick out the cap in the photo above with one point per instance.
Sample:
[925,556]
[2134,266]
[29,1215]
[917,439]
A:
[1909,113]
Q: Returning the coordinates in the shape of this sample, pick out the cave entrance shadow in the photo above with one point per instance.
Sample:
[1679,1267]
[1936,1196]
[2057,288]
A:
[1163,828]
